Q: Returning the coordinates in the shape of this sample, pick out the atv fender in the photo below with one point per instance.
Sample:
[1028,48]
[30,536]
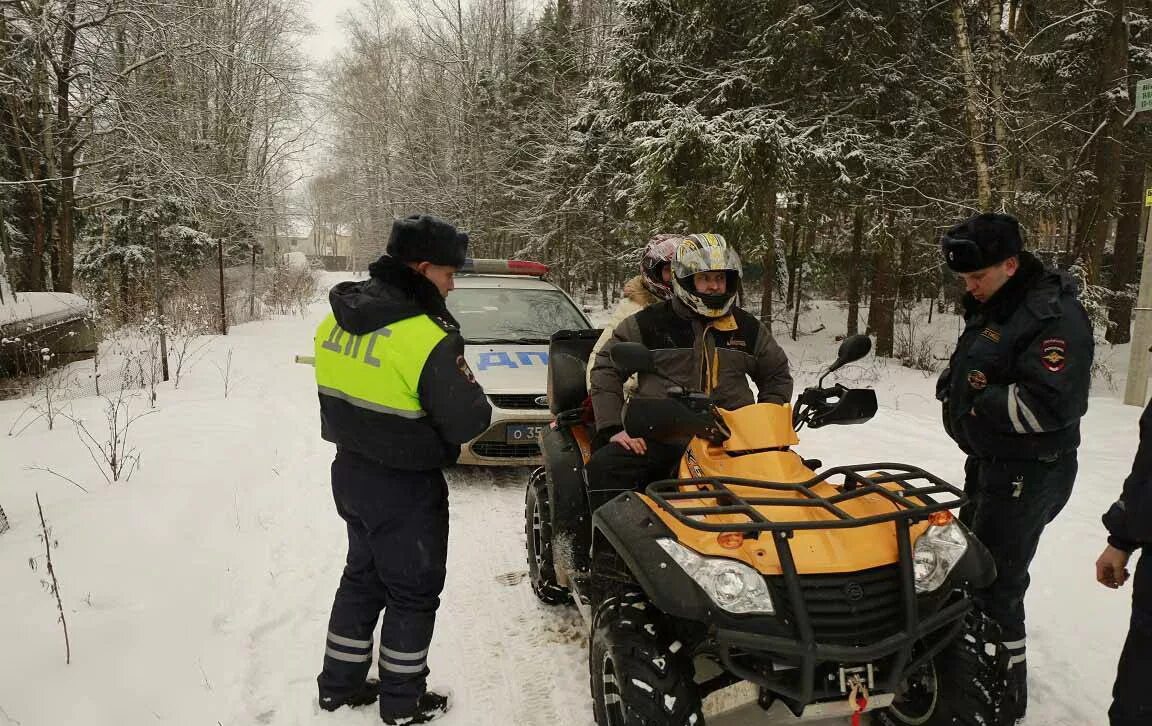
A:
[567,495]
[629,528]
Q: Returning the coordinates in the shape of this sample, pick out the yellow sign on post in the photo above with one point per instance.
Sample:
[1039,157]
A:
[1148,197]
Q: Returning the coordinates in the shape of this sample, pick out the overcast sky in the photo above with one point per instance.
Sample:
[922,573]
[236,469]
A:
[328,36]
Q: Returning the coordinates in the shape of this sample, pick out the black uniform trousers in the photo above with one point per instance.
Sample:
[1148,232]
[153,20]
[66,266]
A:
[1010,504]
[1131,694]
[397,551]
[612,469]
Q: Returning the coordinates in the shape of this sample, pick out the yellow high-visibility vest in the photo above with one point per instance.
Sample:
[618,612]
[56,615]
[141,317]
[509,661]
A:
[378,371]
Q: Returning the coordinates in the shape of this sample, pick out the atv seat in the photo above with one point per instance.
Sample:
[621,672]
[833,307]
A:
[568,356]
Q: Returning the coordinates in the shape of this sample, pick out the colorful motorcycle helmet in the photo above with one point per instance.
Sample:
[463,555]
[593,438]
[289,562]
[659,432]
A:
[659,252]
[705,253]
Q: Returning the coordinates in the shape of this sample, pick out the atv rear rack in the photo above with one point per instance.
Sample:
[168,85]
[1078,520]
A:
[914,502]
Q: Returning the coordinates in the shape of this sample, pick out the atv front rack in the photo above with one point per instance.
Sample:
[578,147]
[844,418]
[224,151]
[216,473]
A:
[912,495]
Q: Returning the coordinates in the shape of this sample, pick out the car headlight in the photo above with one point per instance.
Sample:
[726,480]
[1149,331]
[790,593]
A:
[936,554]
[732,585]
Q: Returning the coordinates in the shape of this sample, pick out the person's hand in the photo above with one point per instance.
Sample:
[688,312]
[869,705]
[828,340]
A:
[636,446]
[1111,570]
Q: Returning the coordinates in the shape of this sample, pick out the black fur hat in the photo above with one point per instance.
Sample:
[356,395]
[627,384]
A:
[424,238]
[981,241]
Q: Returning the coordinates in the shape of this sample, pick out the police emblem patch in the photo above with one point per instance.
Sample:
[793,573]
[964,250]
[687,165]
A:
[977,380]
[1054,354]
[990,334]
[465,370]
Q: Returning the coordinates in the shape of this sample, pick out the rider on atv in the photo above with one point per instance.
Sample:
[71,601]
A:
[700,341]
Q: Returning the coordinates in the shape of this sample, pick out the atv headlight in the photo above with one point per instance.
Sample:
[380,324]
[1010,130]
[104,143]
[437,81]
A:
[732,585]
[936,554]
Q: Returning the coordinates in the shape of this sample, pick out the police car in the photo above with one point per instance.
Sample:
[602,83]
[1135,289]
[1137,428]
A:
[507,314]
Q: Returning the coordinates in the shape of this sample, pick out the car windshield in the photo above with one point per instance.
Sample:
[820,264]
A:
[499,315]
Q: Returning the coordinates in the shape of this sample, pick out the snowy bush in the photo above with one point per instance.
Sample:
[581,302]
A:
[291,289]
[1096,300]
[110,450]
[915,346]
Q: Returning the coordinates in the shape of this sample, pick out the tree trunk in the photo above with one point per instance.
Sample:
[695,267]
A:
[805,250]
[1125,259]
[66,234]
[768,260]
[855,271]
[1005,159]
[791,245]
[1092,225]
[906,282]
[883,310]
[972,106]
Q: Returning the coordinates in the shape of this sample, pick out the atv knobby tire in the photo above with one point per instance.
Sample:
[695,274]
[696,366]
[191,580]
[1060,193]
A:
[962,686]
[538,541]
[641,675]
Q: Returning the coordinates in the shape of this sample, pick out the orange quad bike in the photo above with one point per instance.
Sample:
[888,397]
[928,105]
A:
[831,590]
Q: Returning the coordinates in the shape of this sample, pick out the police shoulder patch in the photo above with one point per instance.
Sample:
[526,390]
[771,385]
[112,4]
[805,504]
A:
[977,380]
[1054,354]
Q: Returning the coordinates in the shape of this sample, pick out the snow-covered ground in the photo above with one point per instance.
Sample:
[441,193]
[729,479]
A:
[197,592]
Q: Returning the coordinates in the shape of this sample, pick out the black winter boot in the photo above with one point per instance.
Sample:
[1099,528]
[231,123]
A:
[1015,702]
[430,707]
[363,696]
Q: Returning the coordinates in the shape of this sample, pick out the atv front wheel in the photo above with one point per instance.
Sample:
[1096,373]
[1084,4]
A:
[538,541]
[962,686]
[641,675]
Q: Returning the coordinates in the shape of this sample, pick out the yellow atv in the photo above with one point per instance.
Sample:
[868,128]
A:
[832,591]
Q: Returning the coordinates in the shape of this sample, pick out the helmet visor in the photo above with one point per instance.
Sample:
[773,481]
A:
[708,258]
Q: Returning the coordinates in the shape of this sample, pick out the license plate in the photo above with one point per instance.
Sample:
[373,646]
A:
[523,433]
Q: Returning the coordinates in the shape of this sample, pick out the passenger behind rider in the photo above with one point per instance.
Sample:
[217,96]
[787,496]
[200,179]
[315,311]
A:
[652,285]
[700,340]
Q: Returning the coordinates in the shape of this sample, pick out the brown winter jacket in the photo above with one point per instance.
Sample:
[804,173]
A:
[713,356]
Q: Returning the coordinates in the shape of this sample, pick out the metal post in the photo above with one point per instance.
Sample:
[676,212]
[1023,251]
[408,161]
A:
[156,282]
[252,291]
[1136,389]
[223,309]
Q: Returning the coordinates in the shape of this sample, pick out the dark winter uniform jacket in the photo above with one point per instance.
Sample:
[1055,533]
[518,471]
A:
[393,382]
[712,356]
[1129,520]
[1018,381]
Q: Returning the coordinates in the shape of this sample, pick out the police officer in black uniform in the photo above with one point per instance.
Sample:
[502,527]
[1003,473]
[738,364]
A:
[398,399]
[1129,523]
[1013,394]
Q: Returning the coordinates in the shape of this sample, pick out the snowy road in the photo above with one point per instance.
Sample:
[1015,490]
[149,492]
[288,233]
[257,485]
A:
[197,592]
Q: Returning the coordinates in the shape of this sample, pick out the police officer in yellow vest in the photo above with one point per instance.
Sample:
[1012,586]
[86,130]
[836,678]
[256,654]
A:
[397,398]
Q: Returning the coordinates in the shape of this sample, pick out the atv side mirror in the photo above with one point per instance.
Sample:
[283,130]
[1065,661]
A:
[632,358]
[851,350]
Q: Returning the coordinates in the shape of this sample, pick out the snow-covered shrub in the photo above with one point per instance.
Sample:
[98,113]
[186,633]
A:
[189,322]
[914,346]
[1096,300]
[119,256]
[291,289]
[110,450]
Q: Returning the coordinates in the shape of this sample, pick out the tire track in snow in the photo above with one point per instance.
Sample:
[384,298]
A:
[523,668]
